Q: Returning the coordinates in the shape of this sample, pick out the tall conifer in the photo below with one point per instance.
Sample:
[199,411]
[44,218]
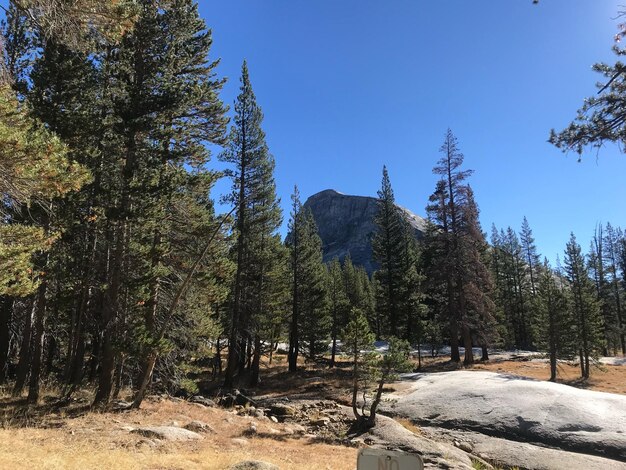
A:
[585,308]
[257,215]
[388,246]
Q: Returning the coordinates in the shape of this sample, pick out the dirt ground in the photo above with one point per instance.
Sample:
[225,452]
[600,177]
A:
[604,378]
[76,440]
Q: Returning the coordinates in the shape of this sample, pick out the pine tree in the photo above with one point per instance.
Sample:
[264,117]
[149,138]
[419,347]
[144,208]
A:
[519,289]
[411,294]
[40,171]
[357,337]
[316,320]
[531,257]
[553,324]
[602,118]
[611,258]
[338,304]
[388,247]
[310,320]
[367,299]
[498,264]
[274,303]
[479,324]
[460,282]
[273,300]
[76,23]
[257,214]
[598,270]
[394,361]
[584,306]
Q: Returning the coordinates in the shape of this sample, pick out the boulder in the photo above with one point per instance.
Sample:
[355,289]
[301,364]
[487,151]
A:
[236,398]
[281,410]
[513,454]
[298,429]
[320,422]
[200,427]
[517,408]
[202,401]
[239,441]
[167,433]
[392,435]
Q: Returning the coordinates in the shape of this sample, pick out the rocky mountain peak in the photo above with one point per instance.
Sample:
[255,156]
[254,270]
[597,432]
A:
[346,225]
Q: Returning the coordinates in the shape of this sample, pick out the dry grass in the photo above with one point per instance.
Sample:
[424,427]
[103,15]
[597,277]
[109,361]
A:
[610,379]
[99,441]
[408,424]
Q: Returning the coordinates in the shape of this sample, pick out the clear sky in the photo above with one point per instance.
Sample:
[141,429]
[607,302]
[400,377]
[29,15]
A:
[349,85]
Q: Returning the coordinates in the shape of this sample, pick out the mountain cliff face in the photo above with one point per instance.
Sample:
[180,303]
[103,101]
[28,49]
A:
[346,225]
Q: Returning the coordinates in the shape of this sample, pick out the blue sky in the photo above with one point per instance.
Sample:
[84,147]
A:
[347,86]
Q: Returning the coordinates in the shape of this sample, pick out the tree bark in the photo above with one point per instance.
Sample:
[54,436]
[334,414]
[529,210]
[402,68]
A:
[355,385]
[552,364]
[371,419]
[6,310]
[467,343]
[256,362]
[455,355]
[38,341]
[582,363]
[23,364]
[146,377]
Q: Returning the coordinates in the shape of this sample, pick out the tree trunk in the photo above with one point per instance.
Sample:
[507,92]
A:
[107,370]
[355,385]
[552,364]
[293,350]
[582,363]
[231,362]
[110,315]
[244,355]
[23,364]
[217,368]
[467,343]
[271,352]
[256,361]
[77,359]
[485,354]
[249,355]
[455,355]
[147,369]
[371,419]
[76,369]
[51,351]
[419,355]
[6,310]
[119,376]
[38,342]
[95,358]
